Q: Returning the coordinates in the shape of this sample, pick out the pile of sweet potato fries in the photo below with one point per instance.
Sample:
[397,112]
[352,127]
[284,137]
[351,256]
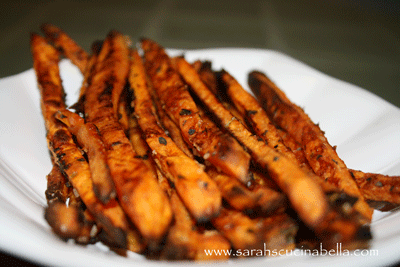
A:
[169,158]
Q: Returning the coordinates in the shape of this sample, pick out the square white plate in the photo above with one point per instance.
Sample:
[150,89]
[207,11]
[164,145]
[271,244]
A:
[365,128]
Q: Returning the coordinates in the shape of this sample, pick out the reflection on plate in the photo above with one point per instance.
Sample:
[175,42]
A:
[365,128]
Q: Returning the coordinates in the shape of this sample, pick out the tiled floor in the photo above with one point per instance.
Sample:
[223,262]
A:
[356,41]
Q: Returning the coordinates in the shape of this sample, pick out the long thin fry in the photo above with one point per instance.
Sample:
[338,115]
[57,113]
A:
[57,189]
[218,148]
[291,179]
[137,188]
[90,141]
[321,156]
[67,45]
[199,193]
[304,192]
[249,108]
[209,78]
[261,199]
[184,240]
[79,105]
[257,235]
[61,144]
[378,187]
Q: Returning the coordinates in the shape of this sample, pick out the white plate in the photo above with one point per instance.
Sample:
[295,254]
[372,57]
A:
[365,128]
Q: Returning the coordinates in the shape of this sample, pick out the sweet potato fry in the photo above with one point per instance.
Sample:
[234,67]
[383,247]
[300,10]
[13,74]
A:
[66,45]
[61,144]
[68,222]
[260,199]
[291,179]
[379,190]
[247,234]
[184,241]
[207,75]
[378,187]
[123,109]
[320,155]
[199,193]
[168,125]
[139,193]
[209,78]
[79,105]
[303,189]
[258,119]
[57,189]
[217,147]
[90,141]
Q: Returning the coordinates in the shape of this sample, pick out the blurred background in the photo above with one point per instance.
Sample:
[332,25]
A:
[352,40]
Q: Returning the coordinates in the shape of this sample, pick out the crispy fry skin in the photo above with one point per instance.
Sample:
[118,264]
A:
[65,212]
[67,46]
[199,193]
[79,105]
[169,126]
[172,129]
[184,241]
[209,78]
[304,194]
[280,232]
[249,108]
[123,110]
[321,156]
[217,147]
[294,146]
[204,69]
[90,140]
[274,232]
[378,187]
[238,196]
[68,222]
[64,150]
[138,191]
[303,188]
[57,190]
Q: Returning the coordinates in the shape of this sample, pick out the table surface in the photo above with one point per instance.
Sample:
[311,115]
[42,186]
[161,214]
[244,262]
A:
[355,41]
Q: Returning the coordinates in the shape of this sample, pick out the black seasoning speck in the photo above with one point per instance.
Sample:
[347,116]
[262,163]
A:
[335,161]
[81,159]
[319,156]
[162,141]
[275,146]
[251,112]
[191,131]
[369,179]
[379,184]
[185,112]
[116,143]
[276,158]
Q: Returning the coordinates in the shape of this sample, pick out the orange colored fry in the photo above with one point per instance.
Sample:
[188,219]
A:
[219,148]
[90,140]
[320,155]
[137,188]
[199,193]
